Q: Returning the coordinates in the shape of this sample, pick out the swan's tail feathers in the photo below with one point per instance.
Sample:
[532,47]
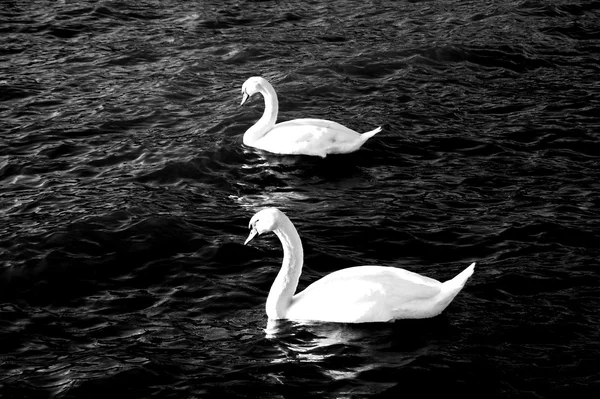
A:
[452,287]
[459,281]
[368,135]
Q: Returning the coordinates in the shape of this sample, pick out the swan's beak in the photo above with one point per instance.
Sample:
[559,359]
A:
[245,98]
[253,233]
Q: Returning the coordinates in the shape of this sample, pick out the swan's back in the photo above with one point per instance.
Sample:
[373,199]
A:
[363,294]
[312,137]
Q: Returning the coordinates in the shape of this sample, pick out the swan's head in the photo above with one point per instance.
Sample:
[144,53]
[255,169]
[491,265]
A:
[264,221]
[253,85]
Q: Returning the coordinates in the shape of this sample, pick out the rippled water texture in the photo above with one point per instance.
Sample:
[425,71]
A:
[125,195]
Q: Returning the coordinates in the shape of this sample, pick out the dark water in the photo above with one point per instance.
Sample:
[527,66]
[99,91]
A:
[125,193]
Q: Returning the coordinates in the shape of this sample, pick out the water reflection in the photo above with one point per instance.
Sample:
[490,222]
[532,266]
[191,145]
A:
[322,344]
[274,198]
[356,351]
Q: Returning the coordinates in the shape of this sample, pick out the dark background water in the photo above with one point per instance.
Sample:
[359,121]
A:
[125,193]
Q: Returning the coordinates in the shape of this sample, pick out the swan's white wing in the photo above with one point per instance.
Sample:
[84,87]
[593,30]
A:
[364,293]
[405,283]
[316,123]
[309,137]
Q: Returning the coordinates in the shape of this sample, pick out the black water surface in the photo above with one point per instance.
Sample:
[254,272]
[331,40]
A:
[125,194]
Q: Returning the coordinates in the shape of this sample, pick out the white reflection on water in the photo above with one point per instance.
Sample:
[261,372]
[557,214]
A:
[319,343]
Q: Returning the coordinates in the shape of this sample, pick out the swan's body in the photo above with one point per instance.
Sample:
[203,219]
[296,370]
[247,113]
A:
[353,295]
[299,136]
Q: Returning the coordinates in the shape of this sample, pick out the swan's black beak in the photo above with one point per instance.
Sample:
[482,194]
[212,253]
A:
[245,98]
[251,236]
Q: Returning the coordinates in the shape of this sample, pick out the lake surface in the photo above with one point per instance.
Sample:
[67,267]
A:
[126,192]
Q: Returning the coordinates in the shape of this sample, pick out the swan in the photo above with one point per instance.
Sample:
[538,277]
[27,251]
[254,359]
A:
[317,137]
[360,294]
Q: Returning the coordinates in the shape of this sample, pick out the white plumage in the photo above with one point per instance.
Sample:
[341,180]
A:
[353,295]
[317,137]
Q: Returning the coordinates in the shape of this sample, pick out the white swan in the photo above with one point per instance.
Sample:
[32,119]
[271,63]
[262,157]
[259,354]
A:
[354,295]
[317,137]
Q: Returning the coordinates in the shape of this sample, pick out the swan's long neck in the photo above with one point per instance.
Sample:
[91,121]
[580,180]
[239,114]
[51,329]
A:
[286,282]
[267,121]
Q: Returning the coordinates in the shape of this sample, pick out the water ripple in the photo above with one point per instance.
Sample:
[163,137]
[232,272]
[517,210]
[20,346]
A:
[125,193]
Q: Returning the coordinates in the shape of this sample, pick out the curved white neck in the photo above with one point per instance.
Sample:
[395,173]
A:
[267,121]
[286,282]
